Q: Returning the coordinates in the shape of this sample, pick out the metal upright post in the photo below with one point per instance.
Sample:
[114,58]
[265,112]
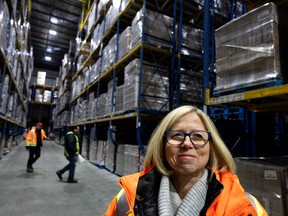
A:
[207,47]
[138,120]
[253,134]
[178,93]
[172,74]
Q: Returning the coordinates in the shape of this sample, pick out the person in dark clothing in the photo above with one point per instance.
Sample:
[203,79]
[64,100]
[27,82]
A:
[71,151]
[34,142]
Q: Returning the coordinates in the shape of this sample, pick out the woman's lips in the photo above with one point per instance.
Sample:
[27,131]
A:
[186,156]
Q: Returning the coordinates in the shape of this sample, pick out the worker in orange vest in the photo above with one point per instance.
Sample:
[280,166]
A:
[34,142]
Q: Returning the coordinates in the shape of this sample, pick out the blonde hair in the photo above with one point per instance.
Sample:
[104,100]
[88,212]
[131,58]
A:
[220,157]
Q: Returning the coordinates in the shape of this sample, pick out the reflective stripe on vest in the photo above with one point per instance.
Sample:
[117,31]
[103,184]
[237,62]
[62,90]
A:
[255,204]
[77,143]
[122,204]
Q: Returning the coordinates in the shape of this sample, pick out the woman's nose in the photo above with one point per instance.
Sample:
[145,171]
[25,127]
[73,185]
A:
[187,142]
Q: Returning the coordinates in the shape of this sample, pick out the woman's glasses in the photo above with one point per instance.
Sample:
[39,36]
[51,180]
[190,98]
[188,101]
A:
[199,138]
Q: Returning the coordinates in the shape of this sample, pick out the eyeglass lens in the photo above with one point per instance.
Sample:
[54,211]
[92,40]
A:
[178,137]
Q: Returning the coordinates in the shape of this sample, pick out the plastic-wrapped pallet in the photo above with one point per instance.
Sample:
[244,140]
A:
[11,48]
[4,87]
[109,53]
[101,7]
[94,108]
[154,87]
[95,40]
[131,159]
[95,70]
[47,96]
[249,49]
[90,106]
[101,152]
[86,73]
[102,105]
[91,18]
[66,117]
[84,148]
[4,23]
[119,100]
[92,147]
[125,42]
[10,104]
[157,25]
[190,87]
[223,8]
[109,158]
[192,41]
[41,77]
[111,16]
[108,106]
[120,160]
[39,95]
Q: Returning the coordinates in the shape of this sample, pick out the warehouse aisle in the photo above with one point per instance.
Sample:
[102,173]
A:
[41,192]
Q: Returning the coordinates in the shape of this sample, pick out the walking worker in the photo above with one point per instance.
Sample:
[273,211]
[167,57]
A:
[34,142]
[188,170]
[71,151]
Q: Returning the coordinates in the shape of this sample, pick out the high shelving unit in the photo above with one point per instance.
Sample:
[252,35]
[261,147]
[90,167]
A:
[261,102]
[166,72]
[182,70]
[16,66]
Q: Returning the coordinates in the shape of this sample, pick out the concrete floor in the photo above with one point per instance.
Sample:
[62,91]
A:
[41,193]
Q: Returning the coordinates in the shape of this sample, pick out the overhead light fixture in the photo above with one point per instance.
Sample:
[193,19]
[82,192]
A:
[54,20]
[52,32]
[49,49]
[48,58]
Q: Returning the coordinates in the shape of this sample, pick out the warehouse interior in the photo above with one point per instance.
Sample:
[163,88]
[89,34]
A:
[117,67]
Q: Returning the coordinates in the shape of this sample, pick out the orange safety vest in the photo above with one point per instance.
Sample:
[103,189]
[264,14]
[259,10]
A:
[232,200]
[31,137]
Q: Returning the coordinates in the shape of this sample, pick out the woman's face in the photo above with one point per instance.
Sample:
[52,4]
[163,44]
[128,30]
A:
[186,159]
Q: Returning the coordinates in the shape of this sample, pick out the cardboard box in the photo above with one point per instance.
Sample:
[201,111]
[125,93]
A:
[267,180]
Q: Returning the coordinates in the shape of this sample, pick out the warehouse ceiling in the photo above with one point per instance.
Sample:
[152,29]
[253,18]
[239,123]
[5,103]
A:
[50,17]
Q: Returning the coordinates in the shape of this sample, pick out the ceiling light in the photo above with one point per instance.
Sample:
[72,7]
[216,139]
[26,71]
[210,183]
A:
[47,58]
[52,32]
[49,49]
[54,20]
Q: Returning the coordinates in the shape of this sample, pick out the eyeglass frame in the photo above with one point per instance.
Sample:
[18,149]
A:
[189,135]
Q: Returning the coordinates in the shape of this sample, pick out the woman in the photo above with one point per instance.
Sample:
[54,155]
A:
[188,171]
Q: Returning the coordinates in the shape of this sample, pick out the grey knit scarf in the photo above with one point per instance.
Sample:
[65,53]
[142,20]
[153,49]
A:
[170,203]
